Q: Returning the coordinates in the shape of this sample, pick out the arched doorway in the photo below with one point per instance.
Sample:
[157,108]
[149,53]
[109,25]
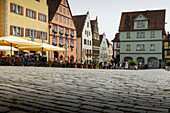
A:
[127,59]
[152,62]
[56,54]
[72,59]
[141,60]
[61,57]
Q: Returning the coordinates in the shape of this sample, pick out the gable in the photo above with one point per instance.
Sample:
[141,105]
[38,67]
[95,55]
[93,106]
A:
[156,19]
[140,17]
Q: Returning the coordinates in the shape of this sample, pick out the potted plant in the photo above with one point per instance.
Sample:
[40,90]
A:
[167,66]
[91,66]
[85,65]
[133,64]
[96,65]
[75,64]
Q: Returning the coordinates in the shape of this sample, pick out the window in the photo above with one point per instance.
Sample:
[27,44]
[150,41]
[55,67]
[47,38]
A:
[140,25]
[67,30]
[56,17]
[103,42]
[42,17]
[168,52]
[55,27]
[128,47]
[16,9]
[152,47]
[85,32]
[17,31]
[67,21]
[64,20]
[128,35]
[64,10]
[37,0]
[152,34]
[60,19]
[85,41]
[72,43]
[61,41]
[71,22]
[118,45]
[90,43]
[140,47]
[61,29]
[60,9]
[64,1]
[140,35]
[72,32]
[43,35]
[54,41]
[67,42]
[87,24]
[32,33]
[31,13]
[67,12]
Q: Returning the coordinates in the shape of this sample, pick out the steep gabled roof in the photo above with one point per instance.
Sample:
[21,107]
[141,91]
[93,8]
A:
[107,42]
[101,38]
[79,21]
[117,38]
[156,19]
[52,7]
[93,22]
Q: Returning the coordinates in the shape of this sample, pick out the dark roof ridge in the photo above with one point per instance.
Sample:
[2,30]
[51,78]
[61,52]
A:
[143,11]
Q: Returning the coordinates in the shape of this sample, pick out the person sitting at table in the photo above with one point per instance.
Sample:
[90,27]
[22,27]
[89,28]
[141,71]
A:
[8,60]
[1,55]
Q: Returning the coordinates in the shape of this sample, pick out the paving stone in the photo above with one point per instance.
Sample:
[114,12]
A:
[151,108]
[112,111]
[132,110]
[53,90]
[121,104]
[4,109]
[87,107]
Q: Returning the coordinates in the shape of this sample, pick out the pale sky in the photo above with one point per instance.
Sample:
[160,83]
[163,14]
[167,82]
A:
[109,11]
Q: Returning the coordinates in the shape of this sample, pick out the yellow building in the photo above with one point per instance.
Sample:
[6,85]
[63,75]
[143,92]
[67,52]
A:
[27,19]
[166,49]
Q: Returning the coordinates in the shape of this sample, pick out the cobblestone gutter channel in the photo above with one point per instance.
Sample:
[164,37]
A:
[57,90]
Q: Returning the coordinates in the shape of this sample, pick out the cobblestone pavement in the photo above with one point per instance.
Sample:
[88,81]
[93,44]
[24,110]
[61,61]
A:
[57,90]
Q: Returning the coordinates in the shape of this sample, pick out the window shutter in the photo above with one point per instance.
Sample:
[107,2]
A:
[39,35]
[22,32]
[11,7]
[35,16]
[46,36]
[45,18]
[26,12]
[11,30]
[22,11]
[26,32]
[38,16]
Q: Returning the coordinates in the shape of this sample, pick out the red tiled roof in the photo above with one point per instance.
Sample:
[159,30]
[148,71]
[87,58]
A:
[79,21]
[156,19]
[52,6]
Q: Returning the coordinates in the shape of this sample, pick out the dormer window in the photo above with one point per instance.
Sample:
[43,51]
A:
[140,25]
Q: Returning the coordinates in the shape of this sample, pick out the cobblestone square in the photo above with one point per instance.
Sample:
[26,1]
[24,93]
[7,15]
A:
[66,90]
